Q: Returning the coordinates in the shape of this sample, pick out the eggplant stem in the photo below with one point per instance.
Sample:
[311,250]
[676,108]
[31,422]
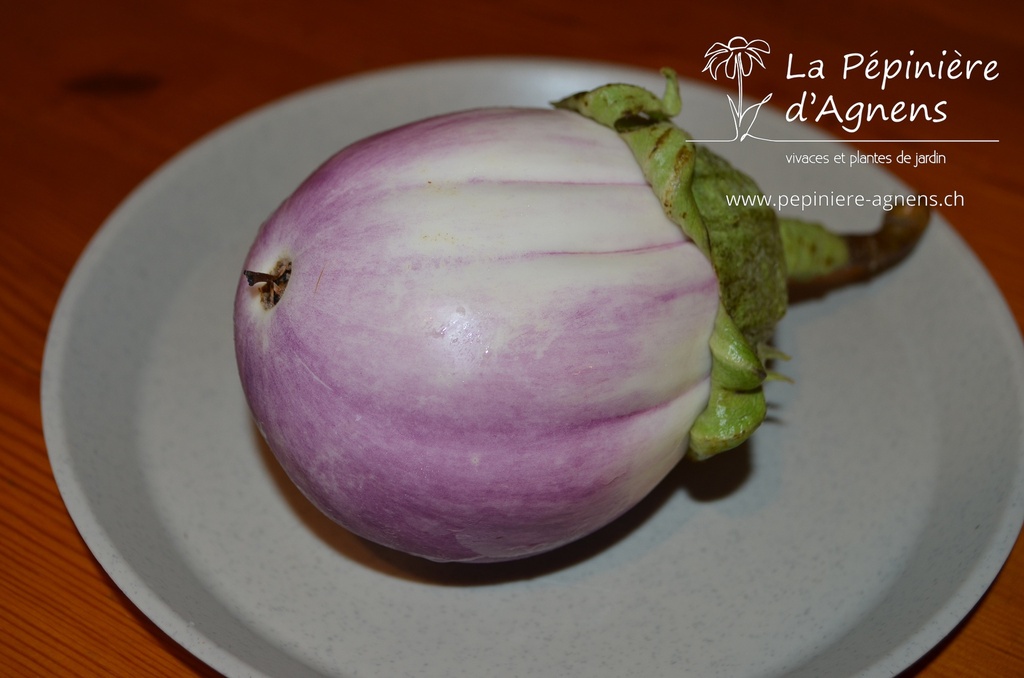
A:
[869,254]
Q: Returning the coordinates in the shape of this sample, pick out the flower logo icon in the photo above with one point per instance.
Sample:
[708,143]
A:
[736,60]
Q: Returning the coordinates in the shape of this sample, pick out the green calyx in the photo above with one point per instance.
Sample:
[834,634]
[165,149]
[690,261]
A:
[743,244]
[746,247]
[762,260]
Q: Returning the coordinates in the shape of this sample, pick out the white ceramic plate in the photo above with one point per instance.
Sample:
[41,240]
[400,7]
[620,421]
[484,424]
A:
[863,522]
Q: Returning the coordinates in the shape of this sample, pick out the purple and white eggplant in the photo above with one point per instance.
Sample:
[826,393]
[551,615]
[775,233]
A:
[482,336]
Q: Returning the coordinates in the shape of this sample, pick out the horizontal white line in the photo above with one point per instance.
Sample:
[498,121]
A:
[859,141]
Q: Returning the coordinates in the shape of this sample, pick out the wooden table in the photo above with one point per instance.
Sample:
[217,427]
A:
[94,96]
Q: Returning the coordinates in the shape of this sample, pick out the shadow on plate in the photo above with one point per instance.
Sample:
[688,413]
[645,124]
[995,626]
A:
[704,482]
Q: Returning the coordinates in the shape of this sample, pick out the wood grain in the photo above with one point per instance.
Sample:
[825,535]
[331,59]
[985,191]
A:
[95,96]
